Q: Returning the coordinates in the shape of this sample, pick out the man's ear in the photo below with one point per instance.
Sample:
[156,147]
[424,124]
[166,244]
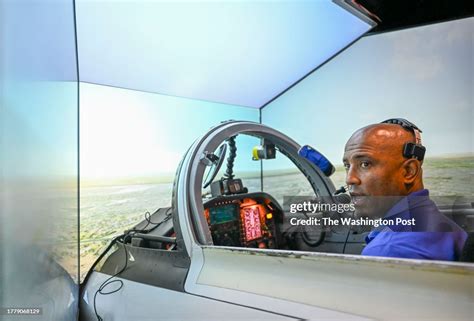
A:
[412,169]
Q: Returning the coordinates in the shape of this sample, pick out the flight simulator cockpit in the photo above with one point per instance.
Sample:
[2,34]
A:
[212,206]
[216,221]
[218,209]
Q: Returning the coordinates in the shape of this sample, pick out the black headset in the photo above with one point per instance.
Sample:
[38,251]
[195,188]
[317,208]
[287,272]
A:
[410,150]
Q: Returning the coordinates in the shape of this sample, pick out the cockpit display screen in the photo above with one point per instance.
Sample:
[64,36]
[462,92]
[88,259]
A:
[223,214]
[251,220]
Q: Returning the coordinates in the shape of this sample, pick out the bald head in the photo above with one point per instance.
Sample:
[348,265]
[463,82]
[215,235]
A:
[388,138]
[375,166]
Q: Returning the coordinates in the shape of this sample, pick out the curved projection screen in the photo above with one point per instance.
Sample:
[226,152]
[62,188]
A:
[423,74]
[234,52]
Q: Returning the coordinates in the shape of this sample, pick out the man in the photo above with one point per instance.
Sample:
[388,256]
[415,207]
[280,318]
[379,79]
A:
[384,174]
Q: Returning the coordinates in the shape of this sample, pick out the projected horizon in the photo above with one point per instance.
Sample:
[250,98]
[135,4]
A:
[129,134]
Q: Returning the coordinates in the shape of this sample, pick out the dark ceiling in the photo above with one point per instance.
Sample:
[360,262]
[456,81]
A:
[400,14]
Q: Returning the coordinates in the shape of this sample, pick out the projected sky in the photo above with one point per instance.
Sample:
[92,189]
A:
[127,133]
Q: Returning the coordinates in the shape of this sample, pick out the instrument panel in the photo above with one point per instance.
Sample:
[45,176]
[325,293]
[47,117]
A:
[243,221]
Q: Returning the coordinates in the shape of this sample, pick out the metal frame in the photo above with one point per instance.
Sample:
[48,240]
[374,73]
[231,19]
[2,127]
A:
[188,204]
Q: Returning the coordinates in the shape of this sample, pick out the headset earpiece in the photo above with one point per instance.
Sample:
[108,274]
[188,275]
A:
[410,150]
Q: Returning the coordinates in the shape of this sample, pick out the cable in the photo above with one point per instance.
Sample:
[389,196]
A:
[124,237]
[307,239]
[347,236]
[149,221]
[109,282]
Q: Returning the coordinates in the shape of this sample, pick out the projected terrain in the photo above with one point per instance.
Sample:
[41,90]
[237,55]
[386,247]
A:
[107,211]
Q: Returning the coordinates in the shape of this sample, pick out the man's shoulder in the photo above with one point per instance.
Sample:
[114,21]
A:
[428,217]
[418,245]
[430,234]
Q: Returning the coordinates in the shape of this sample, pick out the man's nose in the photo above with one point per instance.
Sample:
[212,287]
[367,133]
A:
[352,178]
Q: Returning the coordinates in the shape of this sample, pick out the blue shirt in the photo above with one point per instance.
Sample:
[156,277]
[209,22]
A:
[432,237]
